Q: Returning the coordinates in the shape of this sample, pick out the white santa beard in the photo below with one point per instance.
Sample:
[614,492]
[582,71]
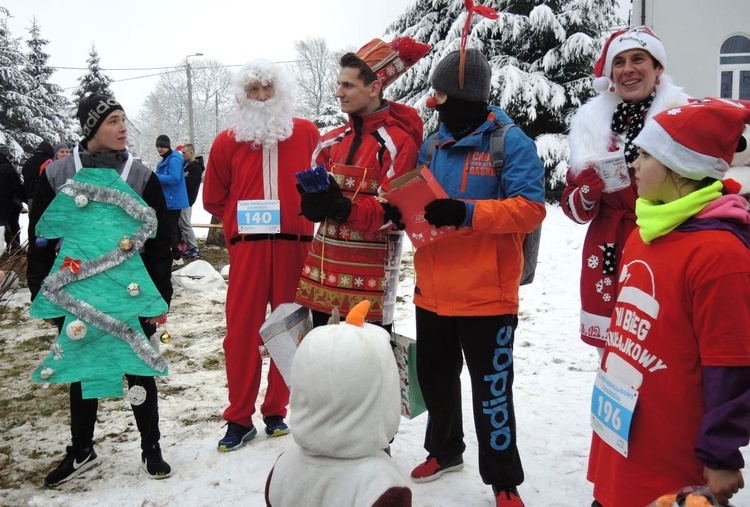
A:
[263,122]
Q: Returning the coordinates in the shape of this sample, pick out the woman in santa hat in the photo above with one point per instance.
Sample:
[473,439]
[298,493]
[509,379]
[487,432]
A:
[671,404]
[632,87]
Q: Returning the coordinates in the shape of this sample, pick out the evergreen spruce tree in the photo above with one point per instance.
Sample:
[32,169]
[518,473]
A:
[541,53]
[94,81]
[48,102]
[16,111]
[330,118]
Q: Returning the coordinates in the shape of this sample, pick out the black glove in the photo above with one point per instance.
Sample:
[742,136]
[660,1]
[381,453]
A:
[442,212]
[315,204]
[393,215]
[340,207]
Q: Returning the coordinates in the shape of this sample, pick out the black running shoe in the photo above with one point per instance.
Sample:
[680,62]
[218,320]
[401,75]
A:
[74,463]
[154,464]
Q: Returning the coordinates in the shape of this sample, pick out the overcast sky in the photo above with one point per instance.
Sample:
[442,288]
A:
[146,36]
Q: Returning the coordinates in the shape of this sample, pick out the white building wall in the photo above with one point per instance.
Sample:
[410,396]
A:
[692,32]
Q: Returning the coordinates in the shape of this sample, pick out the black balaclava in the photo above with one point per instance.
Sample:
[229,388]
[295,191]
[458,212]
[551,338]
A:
[462,117]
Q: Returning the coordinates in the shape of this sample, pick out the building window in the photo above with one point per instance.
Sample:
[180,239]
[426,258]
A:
[734,68]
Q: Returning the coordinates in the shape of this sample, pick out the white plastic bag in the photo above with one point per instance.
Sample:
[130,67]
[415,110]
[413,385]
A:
[198,275]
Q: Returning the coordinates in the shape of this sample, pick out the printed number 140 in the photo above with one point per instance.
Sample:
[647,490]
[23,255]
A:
[611,414]
[258,217]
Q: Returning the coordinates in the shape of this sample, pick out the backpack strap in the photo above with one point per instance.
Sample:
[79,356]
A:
[497,147]
[431,148]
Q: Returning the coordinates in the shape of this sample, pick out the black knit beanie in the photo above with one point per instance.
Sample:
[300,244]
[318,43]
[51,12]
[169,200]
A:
[93,110]
[163,141]
[478,75]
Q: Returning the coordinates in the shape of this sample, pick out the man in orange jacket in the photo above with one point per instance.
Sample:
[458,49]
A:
[470,308]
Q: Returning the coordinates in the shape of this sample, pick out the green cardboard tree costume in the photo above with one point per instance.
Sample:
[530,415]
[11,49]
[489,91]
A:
[99,285]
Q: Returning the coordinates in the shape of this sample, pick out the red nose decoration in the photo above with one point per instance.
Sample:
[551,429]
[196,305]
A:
[431,102]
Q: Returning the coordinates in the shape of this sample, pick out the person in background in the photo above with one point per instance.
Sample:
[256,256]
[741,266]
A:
[632,88]
[677,354]
[477,317]
[12,197]
[251,167]
[349,258]
[61,150]
[193,170]
[104,144]
[172,178]
[43,154]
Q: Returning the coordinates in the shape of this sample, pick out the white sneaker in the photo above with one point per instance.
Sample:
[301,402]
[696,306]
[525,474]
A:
[177,262]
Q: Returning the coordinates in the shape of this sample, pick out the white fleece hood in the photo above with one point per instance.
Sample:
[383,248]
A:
[345,397]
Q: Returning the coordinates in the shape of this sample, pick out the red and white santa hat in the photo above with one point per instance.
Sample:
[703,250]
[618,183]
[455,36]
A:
[639,37]
[698,140]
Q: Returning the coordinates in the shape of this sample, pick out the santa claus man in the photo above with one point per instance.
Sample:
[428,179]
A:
[250,186]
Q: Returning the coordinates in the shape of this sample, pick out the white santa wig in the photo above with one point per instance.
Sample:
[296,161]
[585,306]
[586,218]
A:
[263,122]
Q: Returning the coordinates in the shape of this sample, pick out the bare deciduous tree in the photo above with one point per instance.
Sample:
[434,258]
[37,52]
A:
[165,110]
[315,70]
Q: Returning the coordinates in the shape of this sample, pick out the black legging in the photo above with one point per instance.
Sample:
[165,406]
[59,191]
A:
[83,414]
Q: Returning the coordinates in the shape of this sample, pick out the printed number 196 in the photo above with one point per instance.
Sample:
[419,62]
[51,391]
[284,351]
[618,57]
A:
[258,217]
[611,415]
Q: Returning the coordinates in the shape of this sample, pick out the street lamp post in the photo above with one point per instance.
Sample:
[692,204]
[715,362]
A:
[190,95]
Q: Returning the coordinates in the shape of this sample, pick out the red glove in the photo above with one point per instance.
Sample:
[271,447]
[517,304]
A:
[590,185]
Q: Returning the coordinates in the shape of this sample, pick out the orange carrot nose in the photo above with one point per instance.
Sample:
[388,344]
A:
[431,102]
[357,314]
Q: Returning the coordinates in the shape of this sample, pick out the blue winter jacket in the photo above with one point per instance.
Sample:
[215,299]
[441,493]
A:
[477,270]
[475,179]
[172,177]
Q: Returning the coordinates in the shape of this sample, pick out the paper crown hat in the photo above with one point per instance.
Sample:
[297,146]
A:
[698,140]
[388,60]
[639,37]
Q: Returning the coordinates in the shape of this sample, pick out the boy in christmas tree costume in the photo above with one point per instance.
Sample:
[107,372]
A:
[126,196]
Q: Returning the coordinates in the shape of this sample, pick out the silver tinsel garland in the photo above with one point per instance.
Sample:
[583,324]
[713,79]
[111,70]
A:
[53,287]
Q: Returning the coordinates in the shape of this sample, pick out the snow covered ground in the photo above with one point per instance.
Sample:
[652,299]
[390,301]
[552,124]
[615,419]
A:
[554,376]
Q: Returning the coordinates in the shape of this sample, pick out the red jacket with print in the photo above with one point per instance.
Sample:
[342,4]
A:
[346,263]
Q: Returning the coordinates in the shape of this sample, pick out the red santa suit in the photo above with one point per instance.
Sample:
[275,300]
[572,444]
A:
[612,218]
[347,262]
[264,267]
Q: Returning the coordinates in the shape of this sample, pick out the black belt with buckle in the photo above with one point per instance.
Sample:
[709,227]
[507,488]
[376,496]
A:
[270,237]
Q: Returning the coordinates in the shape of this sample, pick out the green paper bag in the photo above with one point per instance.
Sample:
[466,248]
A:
[405,351]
